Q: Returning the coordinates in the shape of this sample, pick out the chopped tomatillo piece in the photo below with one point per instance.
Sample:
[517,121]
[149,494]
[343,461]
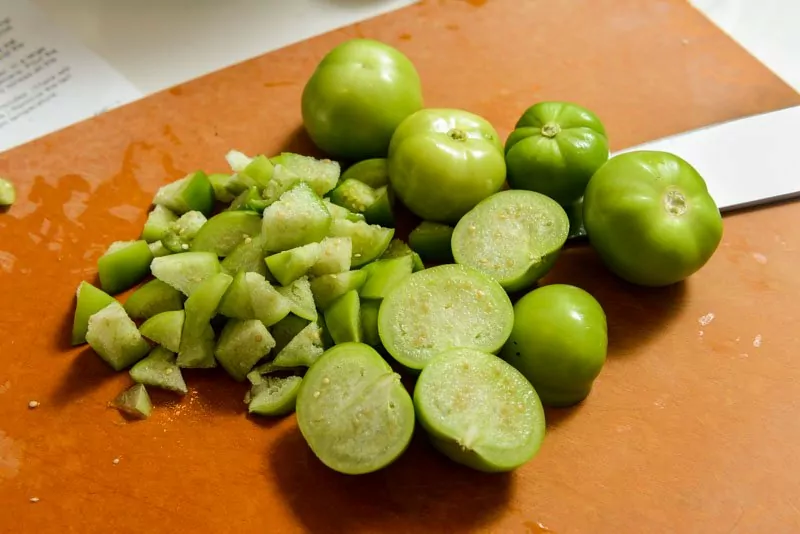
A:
[249,200]
[194,192]
[185,271]
[298,218]
[338,212]
[153,298]
[354,195]
[237,303]
[250,172]
[368,241]
[115,338]
[8,193]
[442,308]
[282,180]
[250,296]
[302,350]
[255,175]
[219,182]
[159,370]
[124,265]
[513,236]
[158,224]
[329,287]
[90,300]
[248,256]
[256,376]
[343,318]
[398,248]
[334,257]
[369,321]
[274,395]
[165,329]
[134,402]
[158,249]
[327,340]
[286,330]
[289,265]
[241,345]
[197,338]
[237,160]
[381,211]
[321,175]
[182,232]
[259,170]
[353,411]
[225,231]
[432,242]
[301,298]
[479,411]
[373,172]
[384,275]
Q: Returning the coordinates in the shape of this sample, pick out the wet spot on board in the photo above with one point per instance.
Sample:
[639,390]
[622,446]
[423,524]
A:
[405,36]
[7,261]
[170,169]
[169,134]
[476,3]
[278,84]
[76,204]
[126,212]
[535,527]
[176,91]
[10,454]
[451,27]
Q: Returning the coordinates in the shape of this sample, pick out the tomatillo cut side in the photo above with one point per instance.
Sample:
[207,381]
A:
[442,162]
[651,218]
[559,342]
[443,308]
[554,150]
[479,411]
[513,236]
[353,411]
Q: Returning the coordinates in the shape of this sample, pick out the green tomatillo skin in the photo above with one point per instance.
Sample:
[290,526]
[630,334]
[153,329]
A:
[558,342]
[650,217]
[554,150]
[356,97]
[442,162]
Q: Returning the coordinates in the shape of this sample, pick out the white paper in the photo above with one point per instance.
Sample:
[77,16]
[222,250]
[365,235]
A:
[745,162]
[47,79]
[160,43]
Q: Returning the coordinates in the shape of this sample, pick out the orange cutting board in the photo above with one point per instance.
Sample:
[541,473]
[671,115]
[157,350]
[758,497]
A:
[692,426]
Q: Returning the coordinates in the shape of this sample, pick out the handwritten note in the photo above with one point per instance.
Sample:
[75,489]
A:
[47,79]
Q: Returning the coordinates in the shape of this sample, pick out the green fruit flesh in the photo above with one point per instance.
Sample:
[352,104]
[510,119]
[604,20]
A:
[353,411]
[442,308]
[513,236]
[159,370]
[479,410]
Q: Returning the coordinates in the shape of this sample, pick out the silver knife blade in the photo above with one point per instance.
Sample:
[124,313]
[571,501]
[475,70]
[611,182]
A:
[745,162]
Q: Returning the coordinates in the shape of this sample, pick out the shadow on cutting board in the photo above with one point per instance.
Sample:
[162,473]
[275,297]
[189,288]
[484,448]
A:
[415,494]
[86,372]
[634,314]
